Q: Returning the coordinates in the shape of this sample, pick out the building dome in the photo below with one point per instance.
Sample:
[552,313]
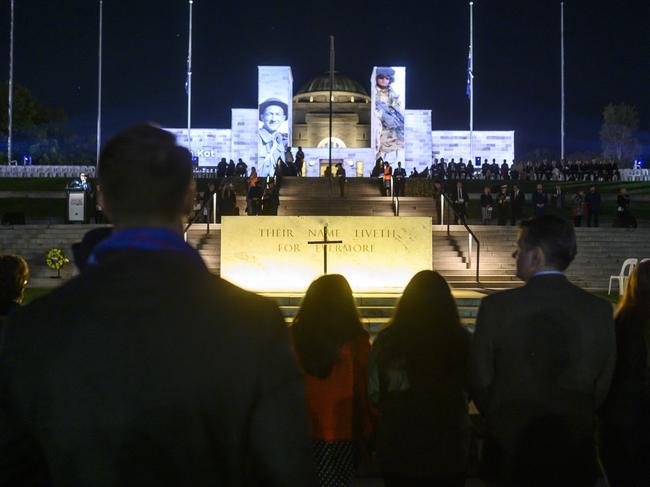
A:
[342,83]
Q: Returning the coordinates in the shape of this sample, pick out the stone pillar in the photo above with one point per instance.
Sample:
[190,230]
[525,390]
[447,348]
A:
[387,115]
[275,94]
[245,135]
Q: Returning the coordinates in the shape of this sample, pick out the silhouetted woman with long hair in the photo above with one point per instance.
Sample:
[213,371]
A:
[625,426]
[332,348]
[14,274]
[419,374]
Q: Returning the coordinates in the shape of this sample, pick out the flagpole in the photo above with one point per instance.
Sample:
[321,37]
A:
[330,98]
[99,81]
[563,109]
[10,97]
[189,81]
[471,81]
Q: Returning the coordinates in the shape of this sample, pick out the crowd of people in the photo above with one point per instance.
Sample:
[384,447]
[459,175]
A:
[146,369]
[509,204]
[451,169]
[288,165]
[545,170]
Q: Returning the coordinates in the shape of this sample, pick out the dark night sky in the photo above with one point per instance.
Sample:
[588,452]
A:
[517,42]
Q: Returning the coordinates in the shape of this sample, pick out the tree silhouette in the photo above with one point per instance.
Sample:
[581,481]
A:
[618,132]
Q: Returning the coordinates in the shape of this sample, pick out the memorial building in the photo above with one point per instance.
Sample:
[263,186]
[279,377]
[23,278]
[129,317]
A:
[366,125]
[351,113]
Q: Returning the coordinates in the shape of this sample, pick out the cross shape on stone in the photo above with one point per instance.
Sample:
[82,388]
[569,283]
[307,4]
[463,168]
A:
[324,243]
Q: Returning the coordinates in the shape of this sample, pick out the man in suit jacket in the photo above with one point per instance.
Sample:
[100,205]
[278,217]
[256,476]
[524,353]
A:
[558,198]
[517,200]
[460,199]
[542,361]
[399,176]
[593,205]
[147,369]
[540,201]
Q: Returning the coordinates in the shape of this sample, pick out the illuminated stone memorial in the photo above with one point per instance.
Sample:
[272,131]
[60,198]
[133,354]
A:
[286,253]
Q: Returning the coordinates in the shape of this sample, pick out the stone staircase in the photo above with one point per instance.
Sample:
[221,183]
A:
[32,243]
[316,196]
[376,310]
[601,252]
[451,257]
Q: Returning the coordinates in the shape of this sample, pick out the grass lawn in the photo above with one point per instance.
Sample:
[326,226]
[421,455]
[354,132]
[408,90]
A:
[31,293]
[612,298]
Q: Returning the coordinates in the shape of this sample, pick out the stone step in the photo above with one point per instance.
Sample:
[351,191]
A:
[470,276]
[369,312]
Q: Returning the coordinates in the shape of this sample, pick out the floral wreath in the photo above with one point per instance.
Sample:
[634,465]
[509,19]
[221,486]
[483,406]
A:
[56,259]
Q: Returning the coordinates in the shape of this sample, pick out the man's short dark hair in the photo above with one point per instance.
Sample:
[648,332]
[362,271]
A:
[144,173]
[13,276]
[554,235]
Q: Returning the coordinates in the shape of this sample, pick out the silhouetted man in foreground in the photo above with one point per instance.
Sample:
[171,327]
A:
[147,369]
[543,357]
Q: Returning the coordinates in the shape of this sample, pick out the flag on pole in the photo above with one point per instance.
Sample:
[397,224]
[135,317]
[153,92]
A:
[470,75]
[187,78]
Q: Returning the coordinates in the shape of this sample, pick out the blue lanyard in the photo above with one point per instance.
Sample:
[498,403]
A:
[143,239]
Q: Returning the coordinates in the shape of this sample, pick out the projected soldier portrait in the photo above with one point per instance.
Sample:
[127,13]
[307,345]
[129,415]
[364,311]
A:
[389,117]
[273,135]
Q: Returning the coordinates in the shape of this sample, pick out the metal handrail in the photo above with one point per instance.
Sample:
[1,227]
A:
[396,204]
[471,235]
[213,200]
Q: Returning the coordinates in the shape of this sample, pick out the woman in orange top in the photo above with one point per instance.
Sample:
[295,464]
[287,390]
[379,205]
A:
[332,348]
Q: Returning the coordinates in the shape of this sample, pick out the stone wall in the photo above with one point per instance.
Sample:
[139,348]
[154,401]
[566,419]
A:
[244,135]
[209,145]
[488,145]
[274,82]
[417,138]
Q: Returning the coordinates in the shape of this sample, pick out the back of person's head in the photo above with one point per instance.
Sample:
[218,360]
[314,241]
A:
[425,317]
[554,236]
[144,176]
[14,274]
[637,293]
[327,318]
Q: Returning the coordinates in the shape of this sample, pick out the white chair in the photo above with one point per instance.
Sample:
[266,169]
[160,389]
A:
[626,269]
[647,259]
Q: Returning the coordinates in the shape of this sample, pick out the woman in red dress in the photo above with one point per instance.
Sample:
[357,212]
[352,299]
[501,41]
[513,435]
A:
[332,348]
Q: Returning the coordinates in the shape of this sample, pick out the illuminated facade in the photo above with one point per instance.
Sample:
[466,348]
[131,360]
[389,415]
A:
[351,114]
[359,133]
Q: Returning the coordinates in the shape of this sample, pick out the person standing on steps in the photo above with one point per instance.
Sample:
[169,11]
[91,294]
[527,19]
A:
[340,177]
[400,179]
[593,206]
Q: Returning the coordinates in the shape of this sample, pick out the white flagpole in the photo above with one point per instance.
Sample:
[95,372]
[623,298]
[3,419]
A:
[563,76]
[471,81]
[189,81]
[99,81]
[330,100]
[10,98]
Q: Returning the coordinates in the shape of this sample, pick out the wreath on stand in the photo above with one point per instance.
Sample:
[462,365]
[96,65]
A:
[56,259]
